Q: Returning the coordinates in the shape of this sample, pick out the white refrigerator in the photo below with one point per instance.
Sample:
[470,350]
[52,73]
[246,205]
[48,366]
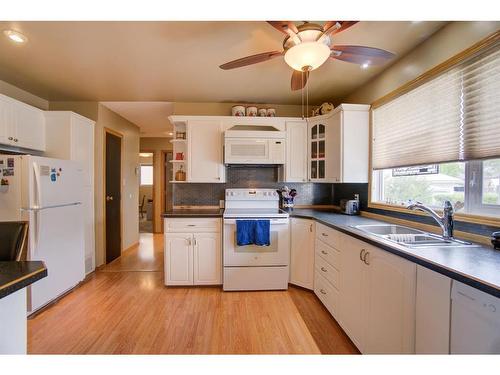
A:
[47,193]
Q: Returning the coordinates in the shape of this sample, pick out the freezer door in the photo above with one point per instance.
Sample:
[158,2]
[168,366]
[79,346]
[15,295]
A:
[57,240]
[54,182]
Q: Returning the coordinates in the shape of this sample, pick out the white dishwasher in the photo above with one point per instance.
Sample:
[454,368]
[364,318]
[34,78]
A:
[475,321]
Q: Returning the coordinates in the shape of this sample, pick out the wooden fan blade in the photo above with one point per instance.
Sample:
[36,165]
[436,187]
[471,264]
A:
[361,54]
[299,80]
[335,27]
[249,60]
[286,27]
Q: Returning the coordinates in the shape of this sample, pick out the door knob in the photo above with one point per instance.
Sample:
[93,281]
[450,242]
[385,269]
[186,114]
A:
[109,198]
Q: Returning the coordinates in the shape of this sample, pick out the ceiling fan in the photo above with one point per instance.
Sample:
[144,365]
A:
[306,47]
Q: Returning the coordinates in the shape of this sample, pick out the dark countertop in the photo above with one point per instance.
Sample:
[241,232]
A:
[200,212]
[478,266]
[18,275]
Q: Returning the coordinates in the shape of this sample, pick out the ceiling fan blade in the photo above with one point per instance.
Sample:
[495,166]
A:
[361,54]
[286,27]
[249,60]
[299,80]
[335,27]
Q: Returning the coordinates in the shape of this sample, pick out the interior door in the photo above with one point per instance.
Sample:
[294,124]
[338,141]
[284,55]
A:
[113,196]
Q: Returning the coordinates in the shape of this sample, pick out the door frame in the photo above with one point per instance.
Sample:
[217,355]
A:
[163,184]
[153,188]
[120,135]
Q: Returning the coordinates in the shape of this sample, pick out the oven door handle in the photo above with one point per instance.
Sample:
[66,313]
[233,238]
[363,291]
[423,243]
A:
[272,221]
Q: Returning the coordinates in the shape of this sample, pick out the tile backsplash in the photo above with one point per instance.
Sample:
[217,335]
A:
[249,177]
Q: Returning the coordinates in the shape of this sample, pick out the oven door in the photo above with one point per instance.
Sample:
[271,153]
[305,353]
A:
[276,254]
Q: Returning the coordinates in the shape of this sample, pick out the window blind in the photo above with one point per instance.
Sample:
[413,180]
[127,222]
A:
[455,116]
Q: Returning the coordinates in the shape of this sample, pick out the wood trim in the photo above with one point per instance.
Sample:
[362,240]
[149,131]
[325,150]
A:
[439,69]
[153,186]
[163,183]
[118,134]
[426,227]
[423,78]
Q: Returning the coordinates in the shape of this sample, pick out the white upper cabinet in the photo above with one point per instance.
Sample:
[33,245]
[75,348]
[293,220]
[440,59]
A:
[21,125]
[338,145]
[204,152]
[296,151]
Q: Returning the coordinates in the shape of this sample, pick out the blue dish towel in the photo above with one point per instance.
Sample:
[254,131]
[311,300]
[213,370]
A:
[253,232]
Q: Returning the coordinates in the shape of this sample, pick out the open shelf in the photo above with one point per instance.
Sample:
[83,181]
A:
[177,161]
[178,140]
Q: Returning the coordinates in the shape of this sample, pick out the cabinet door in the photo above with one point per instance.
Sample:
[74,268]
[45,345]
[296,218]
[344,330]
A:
[29,127]
[334,147]
[296,151]
[205,151]
[207,259]
[302,253]
[390,303]
[82,146]
[6,121]
[178,259]
[351,290]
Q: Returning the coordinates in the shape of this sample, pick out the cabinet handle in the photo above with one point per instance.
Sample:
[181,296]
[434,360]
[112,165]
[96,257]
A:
[10,138]
[310,228]
[361,255]
[15,139]
[322,291]
[189,241]
[324,252]
[194,239]
[191,225]
[324,234]
[323,269]
[365,258]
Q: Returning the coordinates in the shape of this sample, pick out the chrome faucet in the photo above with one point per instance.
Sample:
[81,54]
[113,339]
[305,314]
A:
[445,222]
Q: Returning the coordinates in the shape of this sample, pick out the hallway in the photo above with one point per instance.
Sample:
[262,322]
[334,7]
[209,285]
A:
[125,308]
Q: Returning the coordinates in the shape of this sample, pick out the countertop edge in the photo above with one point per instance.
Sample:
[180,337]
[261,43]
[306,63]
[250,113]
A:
[449,272]
[22,282]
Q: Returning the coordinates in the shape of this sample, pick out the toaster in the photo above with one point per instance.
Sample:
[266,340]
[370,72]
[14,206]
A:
[349,206]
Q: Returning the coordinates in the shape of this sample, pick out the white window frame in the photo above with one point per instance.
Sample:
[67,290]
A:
[140,174]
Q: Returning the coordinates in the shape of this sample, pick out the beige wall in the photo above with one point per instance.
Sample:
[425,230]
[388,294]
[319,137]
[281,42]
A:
[86,109]
[224,109]
[23,96]
[156,145]
[445,43]
[130,178]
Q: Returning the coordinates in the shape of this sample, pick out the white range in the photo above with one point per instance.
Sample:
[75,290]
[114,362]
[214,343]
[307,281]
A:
[254,267]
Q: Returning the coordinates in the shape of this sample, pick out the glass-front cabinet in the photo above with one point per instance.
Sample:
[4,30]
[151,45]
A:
[317,151]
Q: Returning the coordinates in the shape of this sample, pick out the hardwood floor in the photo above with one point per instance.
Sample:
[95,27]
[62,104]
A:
[125,308]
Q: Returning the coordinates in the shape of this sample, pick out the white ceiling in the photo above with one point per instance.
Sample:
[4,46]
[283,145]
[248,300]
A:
[150,117]
[178,61]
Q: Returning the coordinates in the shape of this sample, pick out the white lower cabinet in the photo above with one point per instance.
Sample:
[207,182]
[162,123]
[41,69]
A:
[302,253]
[193,255]
[369,291]
[207,259]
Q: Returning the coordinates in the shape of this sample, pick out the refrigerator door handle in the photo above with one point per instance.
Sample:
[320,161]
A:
[49,207]
[36,171]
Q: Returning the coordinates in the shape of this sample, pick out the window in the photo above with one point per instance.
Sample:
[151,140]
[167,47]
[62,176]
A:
[146,174]
[473,187]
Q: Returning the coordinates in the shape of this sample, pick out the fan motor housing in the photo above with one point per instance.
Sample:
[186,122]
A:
[308,32]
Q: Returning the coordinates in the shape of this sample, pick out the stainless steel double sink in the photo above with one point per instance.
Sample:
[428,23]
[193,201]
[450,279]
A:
[410,237]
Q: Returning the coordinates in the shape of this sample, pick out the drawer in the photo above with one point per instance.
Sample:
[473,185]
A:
[327,271]
[328,253]
[192,225]
[327,294]
[328,235]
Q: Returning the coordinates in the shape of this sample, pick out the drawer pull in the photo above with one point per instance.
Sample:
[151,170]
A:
[361,254]
[191,225]
[322,291]
[323,269]
[324,252]
[324,234]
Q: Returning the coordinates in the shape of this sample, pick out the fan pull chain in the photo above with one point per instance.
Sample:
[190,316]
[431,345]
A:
[307,98]
[302,94]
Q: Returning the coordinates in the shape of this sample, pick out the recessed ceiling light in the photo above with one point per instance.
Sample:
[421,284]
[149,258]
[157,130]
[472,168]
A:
[365,65]
[15,36]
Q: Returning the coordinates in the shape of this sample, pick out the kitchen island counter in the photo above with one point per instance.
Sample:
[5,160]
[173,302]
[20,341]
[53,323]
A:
[17,275]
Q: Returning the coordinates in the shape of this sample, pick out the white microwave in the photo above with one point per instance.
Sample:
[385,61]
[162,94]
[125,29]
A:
[254,147]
